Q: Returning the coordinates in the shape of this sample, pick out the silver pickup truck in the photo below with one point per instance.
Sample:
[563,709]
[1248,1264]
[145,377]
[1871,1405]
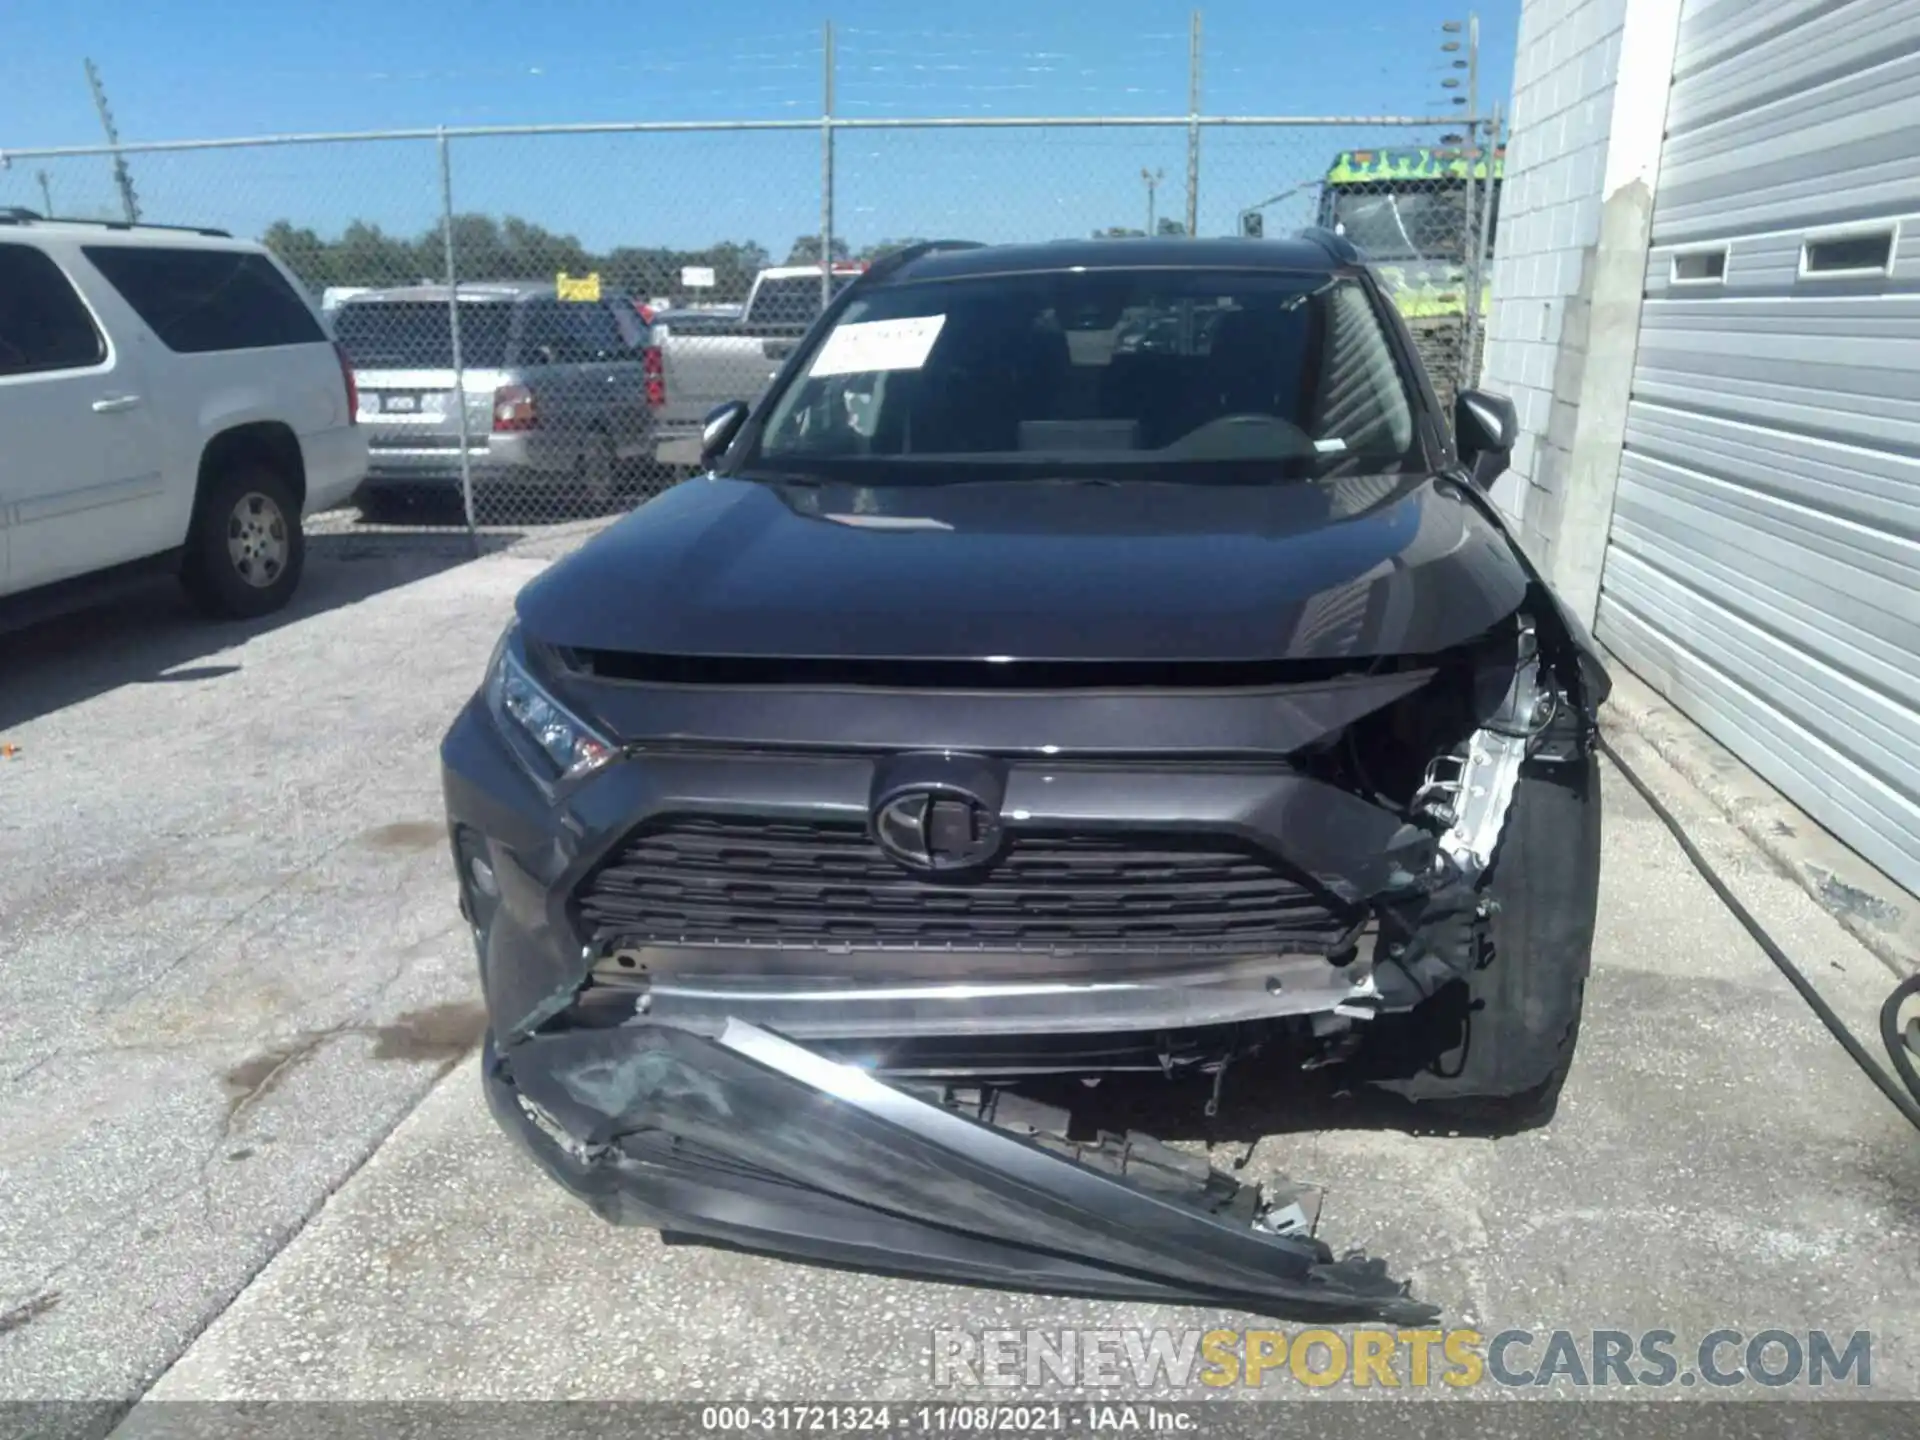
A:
[710,359]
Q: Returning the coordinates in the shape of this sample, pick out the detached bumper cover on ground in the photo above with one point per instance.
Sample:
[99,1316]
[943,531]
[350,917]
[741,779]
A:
[751,1140]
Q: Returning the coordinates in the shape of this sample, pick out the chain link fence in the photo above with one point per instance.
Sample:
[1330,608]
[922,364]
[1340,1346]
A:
[539,319]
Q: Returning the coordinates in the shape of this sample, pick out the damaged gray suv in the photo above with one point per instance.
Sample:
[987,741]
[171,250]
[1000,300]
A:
[1089,658]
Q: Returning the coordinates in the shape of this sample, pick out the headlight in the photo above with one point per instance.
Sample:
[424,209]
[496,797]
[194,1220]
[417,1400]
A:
[555,743]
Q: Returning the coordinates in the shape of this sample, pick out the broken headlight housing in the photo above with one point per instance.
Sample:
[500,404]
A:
[553,743]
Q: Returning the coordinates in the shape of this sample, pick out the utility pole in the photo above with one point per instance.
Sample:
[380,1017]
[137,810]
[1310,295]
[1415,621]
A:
[1478,153]
[826,166]
[1153,179]
[128,201]
[46,193]
[1193,128]
[1473,65]
[1474,150]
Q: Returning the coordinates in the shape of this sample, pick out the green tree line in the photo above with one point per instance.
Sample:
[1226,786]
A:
[515,249]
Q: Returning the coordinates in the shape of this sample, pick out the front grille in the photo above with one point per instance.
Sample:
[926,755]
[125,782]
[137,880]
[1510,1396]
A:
[701,880]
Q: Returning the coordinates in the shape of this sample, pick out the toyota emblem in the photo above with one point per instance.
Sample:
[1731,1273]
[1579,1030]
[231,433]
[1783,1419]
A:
[936,829]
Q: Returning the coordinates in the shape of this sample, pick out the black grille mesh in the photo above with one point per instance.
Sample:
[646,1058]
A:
[733,881]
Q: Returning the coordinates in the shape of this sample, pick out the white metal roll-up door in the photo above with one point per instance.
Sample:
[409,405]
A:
[1763,567]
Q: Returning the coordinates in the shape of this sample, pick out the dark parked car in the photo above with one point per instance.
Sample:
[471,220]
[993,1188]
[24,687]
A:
[1011,703]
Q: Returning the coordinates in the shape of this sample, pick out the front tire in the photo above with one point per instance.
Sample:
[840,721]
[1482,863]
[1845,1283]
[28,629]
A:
[1492,1052]
[245,550]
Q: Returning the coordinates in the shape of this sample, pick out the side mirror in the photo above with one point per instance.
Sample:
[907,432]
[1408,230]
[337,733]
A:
[1485,427]
[723,422]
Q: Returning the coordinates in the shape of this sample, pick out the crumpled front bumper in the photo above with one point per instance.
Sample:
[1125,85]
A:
[752,1141]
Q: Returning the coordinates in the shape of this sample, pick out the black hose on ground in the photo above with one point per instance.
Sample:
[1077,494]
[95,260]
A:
[1902,1047]
[1909,1104]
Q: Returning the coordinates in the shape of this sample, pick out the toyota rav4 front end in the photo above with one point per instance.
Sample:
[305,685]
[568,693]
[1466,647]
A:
[1089,660]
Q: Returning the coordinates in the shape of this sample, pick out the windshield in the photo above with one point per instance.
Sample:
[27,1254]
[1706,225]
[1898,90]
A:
[1409,223]
[1288,374]
[418,335]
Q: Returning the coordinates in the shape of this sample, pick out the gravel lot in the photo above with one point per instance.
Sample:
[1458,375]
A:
[233,967]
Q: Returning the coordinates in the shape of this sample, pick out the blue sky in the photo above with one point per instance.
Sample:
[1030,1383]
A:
[219,67]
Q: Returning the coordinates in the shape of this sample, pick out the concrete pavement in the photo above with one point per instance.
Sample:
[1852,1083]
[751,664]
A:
[227,938]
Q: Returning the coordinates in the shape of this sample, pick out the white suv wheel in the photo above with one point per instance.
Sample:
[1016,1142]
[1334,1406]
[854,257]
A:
[257,542]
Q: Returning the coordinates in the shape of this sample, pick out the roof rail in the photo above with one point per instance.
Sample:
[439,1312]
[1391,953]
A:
[1338,246]
[20,215]
[906,254]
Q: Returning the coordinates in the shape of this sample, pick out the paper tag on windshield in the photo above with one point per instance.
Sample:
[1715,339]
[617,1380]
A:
[869,345]
[1335,446]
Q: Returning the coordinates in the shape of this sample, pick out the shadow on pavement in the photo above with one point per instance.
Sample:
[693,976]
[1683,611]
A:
[154,637]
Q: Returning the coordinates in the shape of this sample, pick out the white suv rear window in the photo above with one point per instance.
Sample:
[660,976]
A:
[198,300]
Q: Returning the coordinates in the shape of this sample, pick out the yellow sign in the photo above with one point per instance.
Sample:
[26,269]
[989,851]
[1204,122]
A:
[582,287]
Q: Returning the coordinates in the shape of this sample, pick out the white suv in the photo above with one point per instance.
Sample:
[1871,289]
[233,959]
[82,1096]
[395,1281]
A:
[169,401]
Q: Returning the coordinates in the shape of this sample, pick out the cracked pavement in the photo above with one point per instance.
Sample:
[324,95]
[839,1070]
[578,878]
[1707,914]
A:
[233,967]
[227,938]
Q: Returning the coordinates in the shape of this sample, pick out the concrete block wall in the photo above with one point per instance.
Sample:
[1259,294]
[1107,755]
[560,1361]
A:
[1565,73]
